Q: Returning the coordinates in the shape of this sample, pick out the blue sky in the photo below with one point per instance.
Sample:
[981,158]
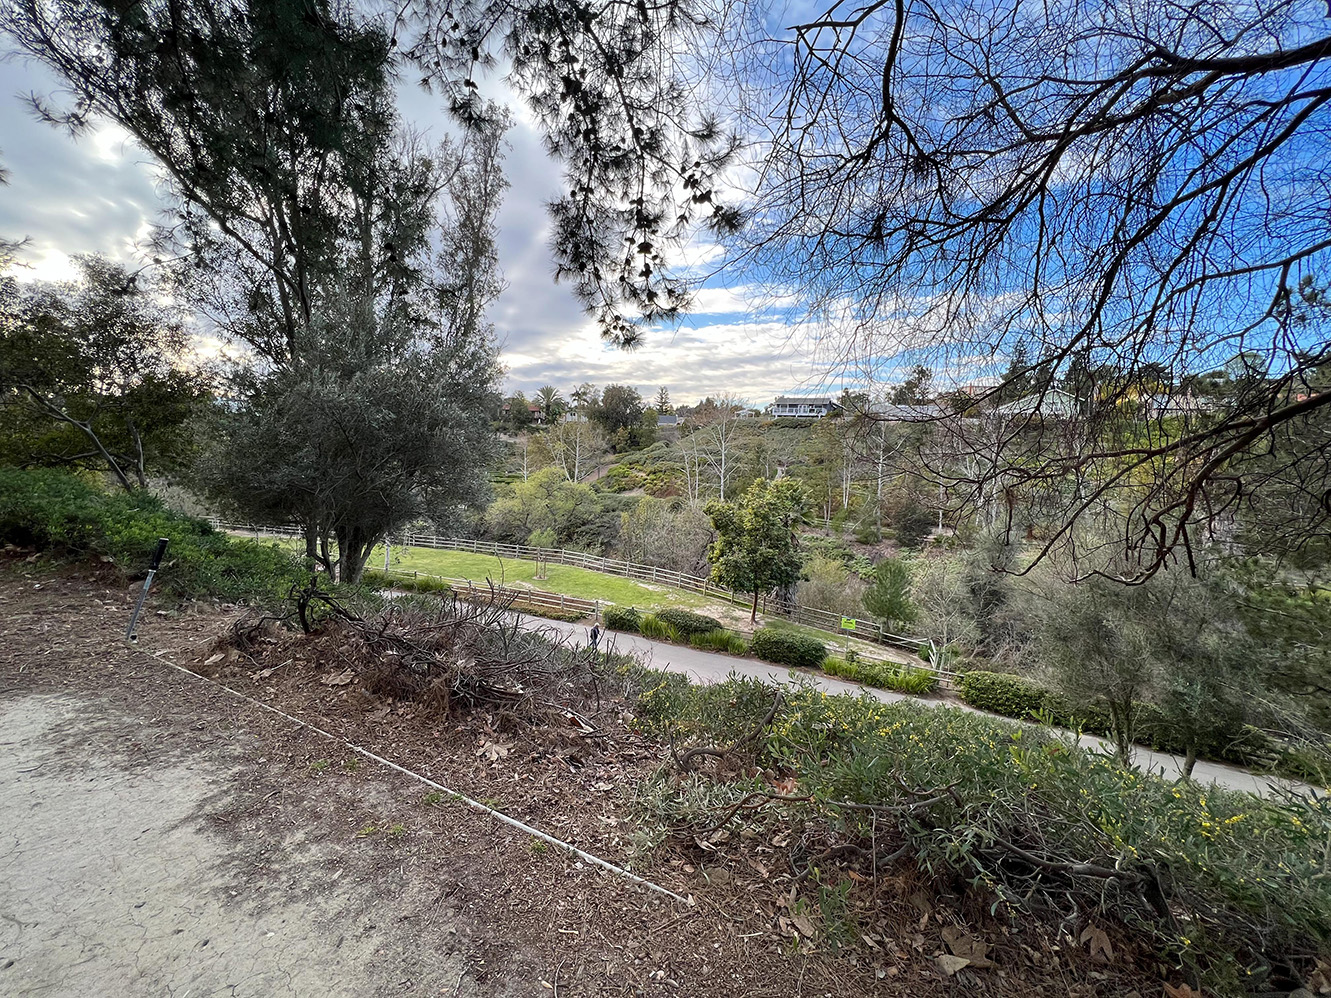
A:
[98,194]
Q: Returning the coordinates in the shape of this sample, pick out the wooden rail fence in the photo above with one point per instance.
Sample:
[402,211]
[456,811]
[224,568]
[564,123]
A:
[823,620]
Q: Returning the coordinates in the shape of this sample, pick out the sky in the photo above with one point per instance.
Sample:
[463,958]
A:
[99,194]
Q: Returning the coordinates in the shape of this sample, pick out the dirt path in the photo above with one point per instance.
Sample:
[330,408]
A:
[113,881]
[162,837]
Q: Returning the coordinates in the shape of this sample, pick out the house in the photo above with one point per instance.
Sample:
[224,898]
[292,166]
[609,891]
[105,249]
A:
[1053,403]
[536,412]
[1161,404]
[804,407]
[667,421]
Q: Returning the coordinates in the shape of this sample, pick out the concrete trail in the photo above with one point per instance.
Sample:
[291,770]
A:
[712,667]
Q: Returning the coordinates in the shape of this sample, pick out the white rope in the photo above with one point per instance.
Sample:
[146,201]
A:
[476,805]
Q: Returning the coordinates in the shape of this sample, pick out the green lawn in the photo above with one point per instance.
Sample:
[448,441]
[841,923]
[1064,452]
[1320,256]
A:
[564,579]
[585,583]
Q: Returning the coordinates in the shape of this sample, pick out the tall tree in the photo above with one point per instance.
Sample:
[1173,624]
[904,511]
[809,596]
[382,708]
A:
[757,544]
[888,596]
[716,436]
[620,406]
[663,400]
[310,225]
[551,402]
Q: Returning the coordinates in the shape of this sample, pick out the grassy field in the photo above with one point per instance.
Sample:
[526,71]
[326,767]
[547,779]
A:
[585,583]
[564,579]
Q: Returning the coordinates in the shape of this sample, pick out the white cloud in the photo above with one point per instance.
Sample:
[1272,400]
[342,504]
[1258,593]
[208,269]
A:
[99,195]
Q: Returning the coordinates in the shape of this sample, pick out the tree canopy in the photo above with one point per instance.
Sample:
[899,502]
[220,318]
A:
[94,374]
[756,549]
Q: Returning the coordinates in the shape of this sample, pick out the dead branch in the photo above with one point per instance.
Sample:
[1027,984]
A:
[684,763]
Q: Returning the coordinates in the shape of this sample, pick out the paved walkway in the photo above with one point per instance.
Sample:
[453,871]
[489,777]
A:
[712,667]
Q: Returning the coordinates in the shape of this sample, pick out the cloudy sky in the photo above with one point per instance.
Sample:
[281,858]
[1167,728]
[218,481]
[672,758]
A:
[99,194]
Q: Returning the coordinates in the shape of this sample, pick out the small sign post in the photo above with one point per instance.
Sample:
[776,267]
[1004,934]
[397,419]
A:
[848,623]
[152,570]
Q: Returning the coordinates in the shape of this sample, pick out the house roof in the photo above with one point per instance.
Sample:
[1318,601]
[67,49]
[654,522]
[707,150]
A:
[804,400]
[666,419]
[906,413]
[1054,401]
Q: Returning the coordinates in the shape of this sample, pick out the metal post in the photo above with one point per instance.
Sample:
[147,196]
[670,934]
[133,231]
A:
[152,570]
[388,547]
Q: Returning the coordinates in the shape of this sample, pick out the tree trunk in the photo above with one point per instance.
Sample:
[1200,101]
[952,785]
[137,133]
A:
[1189,761]
[753,617]
[353,551]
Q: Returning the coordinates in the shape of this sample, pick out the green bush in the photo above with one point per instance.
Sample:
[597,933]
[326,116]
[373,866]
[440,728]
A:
[59,512]
[622,618]
[652,626]
[717,711]
[687,622]
[788,648]
[885,675]
[379,579]
[720,640]
[1001,693]
[1246,872]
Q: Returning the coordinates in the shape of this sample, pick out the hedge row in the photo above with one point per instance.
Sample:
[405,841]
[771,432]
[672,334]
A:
[1001,693]
[379,579]
[788,648]
[687,622]
[623,618]
[63,513]
[1025,699]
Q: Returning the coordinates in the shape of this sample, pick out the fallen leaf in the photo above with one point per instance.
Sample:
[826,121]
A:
[804,926]
[1180,991]
[338,678]
[951,964]
[1098,940]
[494,751]
[967,947]
[214,659]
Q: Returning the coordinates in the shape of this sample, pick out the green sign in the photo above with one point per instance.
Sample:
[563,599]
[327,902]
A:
[848,623]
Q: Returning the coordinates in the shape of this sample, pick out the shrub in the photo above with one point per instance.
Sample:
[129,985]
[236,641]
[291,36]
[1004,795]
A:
[1001,693]
[536,610]
[652,626]
[687,622]
[379,579]
[718,711]
[1247,871]
[60,512]
[885,675]
[787,648]
[622,618]
[720,640]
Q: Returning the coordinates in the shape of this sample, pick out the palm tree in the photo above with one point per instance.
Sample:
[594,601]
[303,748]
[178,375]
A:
[551,402]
